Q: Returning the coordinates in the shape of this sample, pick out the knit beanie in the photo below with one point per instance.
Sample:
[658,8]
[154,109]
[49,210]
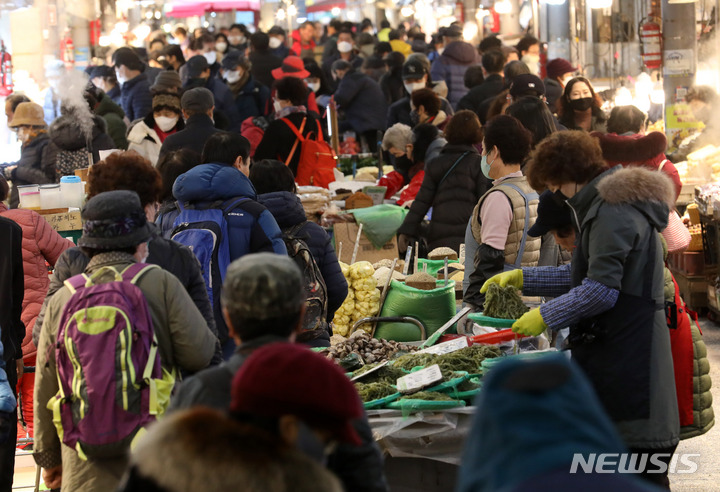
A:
[166,101]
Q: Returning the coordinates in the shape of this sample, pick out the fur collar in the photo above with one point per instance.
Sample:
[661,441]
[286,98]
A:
[631,148]
[636,184]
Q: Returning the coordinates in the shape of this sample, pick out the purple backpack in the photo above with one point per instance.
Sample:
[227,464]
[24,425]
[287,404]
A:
[108,366]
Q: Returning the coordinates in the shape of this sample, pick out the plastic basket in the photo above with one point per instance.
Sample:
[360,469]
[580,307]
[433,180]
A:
[381,402]
[411,406]
[491,322]
[433,266]
[469,395]
[447,386]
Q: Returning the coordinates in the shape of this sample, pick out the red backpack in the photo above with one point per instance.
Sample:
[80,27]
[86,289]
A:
[317,159]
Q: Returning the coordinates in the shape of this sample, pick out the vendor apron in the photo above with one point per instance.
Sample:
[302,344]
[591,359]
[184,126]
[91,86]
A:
[614,348]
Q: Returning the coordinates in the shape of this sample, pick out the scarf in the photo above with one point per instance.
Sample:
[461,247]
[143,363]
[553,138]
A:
[290,110]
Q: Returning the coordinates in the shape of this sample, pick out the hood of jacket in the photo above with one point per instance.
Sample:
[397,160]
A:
[649,192]
[631,148]
[506,448]
[67,132]
[461,52]
[286,207]
[212,182]
[107,106]
[140,131]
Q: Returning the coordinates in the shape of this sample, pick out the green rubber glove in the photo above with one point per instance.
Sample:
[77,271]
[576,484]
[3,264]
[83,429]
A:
[530,323]
[513,277]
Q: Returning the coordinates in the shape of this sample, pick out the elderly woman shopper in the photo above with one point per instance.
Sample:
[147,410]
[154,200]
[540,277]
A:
[452,186]
[503,216]
[146,136]
[612,295]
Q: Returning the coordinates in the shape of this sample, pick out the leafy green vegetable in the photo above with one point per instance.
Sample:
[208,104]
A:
[386,374]
[374,391]
[503,303]
[428,396]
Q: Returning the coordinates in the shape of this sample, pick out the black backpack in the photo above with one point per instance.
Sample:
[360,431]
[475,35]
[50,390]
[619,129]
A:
[315,321]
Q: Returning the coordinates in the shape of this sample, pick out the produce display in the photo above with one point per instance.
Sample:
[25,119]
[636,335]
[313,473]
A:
[382,274]
[468,359]
[386,374]
[362,301]
[369,349]
[421,280]
[503,303]
[428,396]
[374,391]
[442,253]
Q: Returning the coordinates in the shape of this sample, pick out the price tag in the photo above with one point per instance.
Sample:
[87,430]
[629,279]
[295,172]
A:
[370,371]
[420,379]
[447,347]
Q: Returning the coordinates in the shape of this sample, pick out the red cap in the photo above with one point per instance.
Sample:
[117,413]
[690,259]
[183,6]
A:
[290,379]
[558,67]
[292,66]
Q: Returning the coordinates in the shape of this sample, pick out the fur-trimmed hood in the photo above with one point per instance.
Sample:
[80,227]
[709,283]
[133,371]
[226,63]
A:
[66,131]
[631,148]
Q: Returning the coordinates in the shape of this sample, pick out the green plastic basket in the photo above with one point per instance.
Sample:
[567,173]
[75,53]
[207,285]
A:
[433,266]
[491,322]
[468,396]
[448,386]
[381,402]
[411,406]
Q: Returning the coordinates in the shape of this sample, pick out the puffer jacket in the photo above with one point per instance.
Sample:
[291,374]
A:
[113,115]
[702,410]
[250,99]
[36,166]
[69,137]
[168,255]
[451,67]
[363,102]
[144,140]
[452,201]
[288,212]
[136,97]
[40,243]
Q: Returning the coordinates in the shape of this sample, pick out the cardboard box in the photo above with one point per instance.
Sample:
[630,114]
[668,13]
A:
[346,233]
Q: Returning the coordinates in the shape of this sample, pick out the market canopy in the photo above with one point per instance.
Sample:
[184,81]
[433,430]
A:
[323,5]
[191,8]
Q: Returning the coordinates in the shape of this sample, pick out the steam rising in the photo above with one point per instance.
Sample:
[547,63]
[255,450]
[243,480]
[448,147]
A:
[70,92]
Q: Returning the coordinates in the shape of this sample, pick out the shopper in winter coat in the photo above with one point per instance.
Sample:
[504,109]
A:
[197,108]
[452,186]
[146,136]
[136,95]
[37,157]
[184,341]
[251,97]
[200,76]
[40,244]
[129,171]
[493,62]
[415,76]
[70,133]
[276,190]
[361,101]
[278,140]
[102,105]
[579,108]
[452,64]
[391,82]
[303,43]
[612,295]
[533,418]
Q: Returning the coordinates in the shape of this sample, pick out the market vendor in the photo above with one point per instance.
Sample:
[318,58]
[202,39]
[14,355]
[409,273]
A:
[611,296]
[503,216]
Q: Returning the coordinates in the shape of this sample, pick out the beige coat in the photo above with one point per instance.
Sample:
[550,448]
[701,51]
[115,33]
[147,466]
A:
[185,342]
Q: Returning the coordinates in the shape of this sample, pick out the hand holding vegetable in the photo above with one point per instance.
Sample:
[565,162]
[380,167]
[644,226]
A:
[513,277]
[531,324]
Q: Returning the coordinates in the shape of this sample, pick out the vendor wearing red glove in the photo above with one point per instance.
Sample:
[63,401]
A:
[611,296]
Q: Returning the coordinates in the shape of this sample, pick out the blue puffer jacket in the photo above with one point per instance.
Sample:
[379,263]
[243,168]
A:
[363,102]
[288,212]
[225,102]
[136,98]
[451,67]
[251,99]
[251,227]
[7,399]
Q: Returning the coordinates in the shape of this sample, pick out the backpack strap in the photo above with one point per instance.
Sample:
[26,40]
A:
[452,168]
[76,283]
[133,273]
[298,134]
[291,232]
[231,204]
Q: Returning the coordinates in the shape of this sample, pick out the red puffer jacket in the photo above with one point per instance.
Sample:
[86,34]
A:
[40,243]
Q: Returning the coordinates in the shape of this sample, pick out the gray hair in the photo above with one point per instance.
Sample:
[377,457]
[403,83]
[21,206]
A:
[399,135]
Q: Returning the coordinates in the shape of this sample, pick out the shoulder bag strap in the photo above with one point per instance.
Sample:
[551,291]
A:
[452,168]
[299,137]
[662,164]
[528,198]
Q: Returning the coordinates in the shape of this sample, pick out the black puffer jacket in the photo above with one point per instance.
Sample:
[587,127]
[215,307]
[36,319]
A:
[66,133]
[169,255]
[288,212]
[36,166]
[452,201]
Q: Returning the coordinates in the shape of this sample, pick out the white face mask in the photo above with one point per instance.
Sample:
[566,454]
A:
[23,134]
[532,62]
[275,43]
[233,76]
[120,77]
[314,86]
[221,47]
[344,47]
[410,88]
[166,123]
[277,106]
[236,40]
[211,57]
[565,81]
[440,50]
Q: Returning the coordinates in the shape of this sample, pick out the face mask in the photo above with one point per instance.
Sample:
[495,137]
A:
[275,43]
[565,81]
[410,88]
[195,82]
[120,78]
[237,40]
[210,56]
[309,444]
[314,86]
[233,76]
[532,62]
[582,104]
[344,47]
[414,117]
[166,123]
[440,50]
[559,198]
[277,106]
[403,164]
[221,47]
[485,166]
[23,134]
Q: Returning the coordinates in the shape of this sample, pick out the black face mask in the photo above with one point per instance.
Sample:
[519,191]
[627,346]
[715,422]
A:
[582,104]
[559,198]
[403,164]
[195,82]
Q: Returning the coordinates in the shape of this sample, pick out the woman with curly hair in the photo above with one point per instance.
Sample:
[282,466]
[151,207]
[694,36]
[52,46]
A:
[612,295]
[130,171]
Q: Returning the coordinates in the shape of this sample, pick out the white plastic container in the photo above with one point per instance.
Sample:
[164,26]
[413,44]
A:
[50,197]
[29,196]
[73,191]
